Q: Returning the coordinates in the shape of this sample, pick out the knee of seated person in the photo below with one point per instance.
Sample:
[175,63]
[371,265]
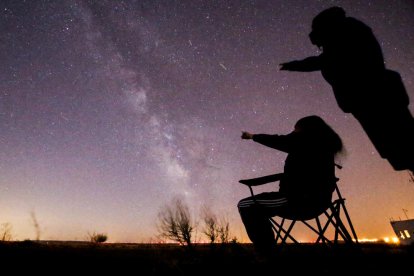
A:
[244,203]
[248,211]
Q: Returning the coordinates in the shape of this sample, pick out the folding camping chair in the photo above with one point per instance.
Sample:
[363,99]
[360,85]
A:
[335,217]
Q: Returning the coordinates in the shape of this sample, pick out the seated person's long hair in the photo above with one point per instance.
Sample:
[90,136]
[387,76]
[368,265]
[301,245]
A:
[317,132]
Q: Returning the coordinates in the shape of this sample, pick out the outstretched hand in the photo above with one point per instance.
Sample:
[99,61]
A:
[246,135]
[244,181]
[288,66]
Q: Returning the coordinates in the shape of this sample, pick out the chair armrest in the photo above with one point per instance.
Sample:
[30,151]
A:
[262,180]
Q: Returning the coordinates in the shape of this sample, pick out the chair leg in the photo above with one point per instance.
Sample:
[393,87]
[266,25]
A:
[335,219]
[349,222]
[287,234]
[341,201]
[340,225]
[279,230]
[318,231]
[336,214]
[321,232]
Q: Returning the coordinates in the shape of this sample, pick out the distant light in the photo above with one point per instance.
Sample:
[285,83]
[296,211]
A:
[391,240]
[367,240]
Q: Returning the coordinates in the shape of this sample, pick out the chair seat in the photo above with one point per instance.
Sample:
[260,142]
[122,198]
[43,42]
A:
[303,211]
[330,216]
[306,207]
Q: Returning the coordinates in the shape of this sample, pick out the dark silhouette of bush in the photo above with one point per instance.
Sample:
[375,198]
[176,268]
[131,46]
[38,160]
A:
[97,237]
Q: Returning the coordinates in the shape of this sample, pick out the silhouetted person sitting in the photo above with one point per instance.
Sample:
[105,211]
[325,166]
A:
[306,184]
[352,63]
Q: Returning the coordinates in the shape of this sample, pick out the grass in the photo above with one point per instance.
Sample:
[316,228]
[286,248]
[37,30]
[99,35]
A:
[202,259]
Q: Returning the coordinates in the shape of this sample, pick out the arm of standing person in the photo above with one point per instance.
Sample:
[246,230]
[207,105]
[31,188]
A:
[308,64]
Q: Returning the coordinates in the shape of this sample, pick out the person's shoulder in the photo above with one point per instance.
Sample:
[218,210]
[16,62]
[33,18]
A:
[356,30]
[352,22]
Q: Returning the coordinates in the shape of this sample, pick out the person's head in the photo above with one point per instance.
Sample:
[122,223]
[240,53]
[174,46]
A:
[315,128]
[324,23]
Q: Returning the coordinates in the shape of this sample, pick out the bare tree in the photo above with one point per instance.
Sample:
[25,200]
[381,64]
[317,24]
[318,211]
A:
[210,224]
[174,222]
[224,230]
[216,230]
[35,225]
[6,232]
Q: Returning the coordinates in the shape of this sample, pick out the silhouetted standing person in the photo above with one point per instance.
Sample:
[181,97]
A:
[352,63]
[306,184]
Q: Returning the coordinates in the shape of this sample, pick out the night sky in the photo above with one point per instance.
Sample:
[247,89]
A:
[109,109]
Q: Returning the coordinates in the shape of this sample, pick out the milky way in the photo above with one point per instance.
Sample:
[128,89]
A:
[109,109]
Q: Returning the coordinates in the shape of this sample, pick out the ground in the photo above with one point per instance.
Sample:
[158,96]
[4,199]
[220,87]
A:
[202,259]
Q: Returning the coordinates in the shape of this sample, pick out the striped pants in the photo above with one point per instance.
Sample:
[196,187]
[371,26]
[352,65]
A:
[255,213]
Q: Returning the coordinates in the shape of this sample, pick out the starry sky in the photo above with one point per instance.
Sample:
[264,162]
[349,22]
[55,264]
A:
[109,109]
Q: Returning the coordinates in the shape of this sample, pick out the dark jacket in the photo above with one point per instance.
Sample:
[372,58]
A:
[309,170]
[351,62]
